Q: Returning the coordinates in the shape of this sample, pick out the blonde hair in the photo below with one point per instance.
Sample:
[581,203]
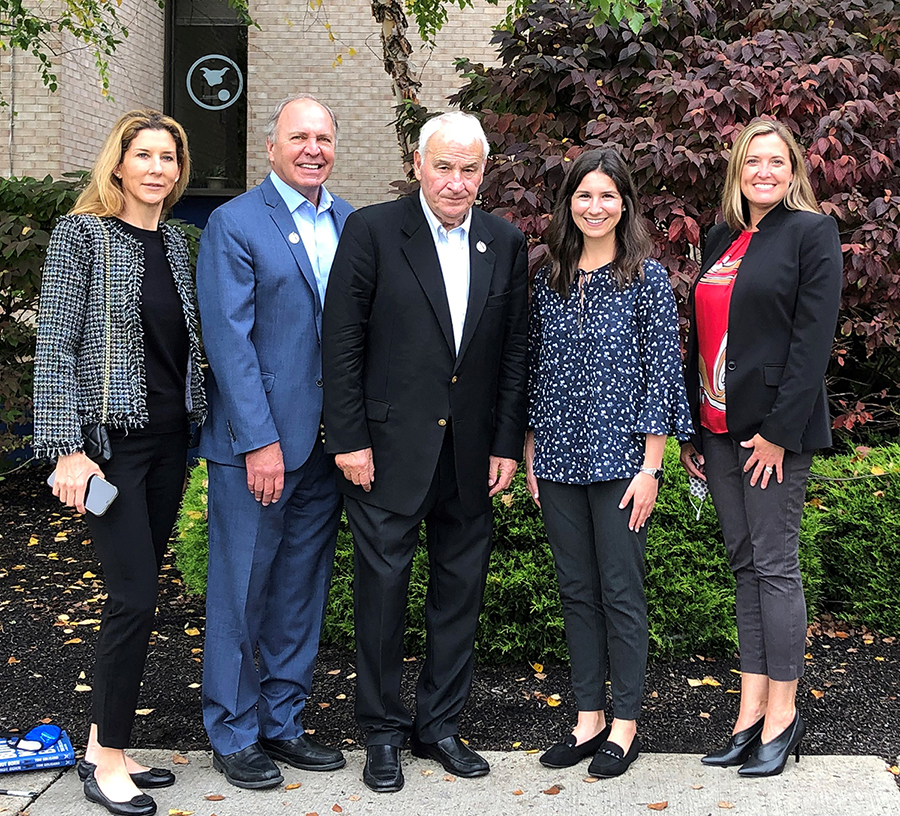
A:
[799,194]
[103,195]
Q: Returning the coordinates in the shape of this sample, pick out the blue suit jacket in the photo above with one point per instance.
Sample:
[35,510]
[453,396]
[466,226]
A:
[262,326]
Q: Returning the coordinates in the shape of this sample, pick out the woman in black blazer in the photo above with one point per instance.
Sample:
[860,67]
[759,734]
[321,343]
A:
[763,314]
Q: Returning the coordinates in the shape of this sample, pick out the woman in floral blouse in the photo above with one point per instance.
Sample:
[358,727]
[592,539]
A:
[605,390]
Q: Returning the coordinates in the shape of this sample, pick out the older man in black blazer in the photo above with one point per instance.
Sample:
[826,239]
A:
[424,341]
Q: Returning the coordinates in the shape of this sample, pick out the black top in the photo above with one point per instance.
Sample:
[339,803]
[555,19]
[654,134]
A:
[165,336]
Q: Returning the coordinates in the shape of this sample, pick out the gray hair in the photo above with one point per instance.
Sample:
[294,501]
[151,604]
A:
[462,127]
[272,121]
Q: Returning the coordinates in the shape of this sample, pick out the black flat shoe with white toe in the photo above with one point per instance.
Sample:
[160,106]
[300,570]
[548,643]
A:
[612,761]
[141,805]
[152,778]
[567,753]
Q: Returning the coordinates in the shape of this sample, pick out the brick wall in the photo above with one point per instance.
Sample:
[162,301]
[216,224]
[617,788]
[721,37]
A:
[292,53]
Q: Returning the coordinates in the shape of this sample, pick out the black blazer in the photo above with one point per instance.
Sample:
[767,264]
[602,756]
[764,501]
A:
[781,322]
[392,377]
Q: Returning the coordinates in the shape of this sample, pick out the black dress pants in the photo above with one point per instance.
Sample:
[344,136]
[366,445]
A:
[459,548]
[600,568]
[130,540]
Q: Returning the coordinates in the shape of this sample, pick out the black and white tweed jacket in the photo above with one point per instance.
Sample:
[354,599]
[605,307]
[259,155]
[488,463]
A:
[69,362]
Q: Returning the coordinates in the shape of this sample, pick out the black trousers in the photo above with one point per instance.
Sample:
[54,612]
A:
[600,568]
[761,529]
[130,540]
[459,548]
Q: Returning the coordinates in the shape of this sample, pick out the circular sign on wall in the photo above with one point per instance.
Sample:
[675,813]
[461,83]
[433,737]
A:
[215,82]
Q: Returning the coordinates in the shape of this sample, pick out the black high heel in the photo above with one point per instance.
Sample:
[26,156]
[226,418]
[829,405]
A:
[769,758]
[738,748]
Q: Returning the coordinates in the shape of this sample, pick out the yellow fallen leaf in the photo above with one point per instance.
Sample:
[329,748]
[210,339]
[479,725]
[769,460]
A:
[532,751]
[143,712]
[72,640]
[538,667]
[517,792]
[894,770]
[178,759]
[324,705]
[696,787]
[710,681]
[657,806]
[196,651]
[879,659]
[694,683]
[214,797]
[293,786]
[335,671]
[193,631]
[725,805]
[427,772]
[552,702]
[194,685]
[341,697]
[732,691]
[82,687]
[12,661]
[877,471]
[449,778]
[540,676]
[590,779]
[89,574]
[178,812]
[354,798]
[807,656]
[817,694]
[517,745]
[704,715]
[32,541]
[736,671]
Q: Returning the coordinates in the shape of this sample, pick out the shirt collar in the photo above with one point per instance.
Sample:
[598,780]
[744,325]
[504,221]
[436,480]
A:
[437,228]
[293,199]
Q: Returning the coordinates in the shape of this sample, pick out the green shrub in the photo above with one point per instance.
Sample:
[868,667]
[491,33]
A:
[849,556]
[859,535]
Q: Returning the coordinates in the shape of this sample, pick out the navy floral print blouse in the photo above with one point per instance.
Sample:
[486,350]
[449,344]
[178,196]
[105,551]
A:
[603,372]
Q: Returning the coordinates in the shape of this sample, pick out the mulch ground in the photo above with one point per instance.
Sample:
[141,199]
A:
[51,596]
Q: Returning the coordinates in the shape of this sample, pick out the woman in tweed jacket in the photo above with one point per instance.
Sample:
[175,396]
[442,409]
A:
[118,297]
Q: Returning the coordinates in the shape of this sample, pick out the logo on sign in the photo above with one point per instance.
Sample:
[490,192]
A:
[215,82]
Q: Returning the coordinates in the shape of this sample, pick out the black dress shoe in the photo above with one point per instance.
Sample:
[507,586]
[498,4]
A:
[249,768]
[140,805]
[154,778]
[738,748]
[382,772]
[612,761]
[305,753]
[565,754]
[456,757]
[769,758]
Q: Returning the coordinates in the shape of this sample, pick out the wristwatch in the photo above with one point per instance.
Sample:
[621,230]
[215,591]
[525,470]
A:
[656,473]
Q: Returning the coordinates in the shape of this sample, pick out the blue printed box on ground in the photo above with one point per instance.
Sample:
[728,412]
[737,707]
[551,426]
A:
[57,755]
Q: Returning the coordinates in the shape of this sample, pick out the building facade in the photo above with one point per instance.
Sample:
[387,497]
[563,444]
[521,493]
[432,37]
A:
[221,81]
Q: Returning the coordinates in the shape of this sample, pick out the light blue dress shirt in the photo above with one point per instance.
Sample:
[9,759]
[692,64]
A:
[453,254]
[315,227]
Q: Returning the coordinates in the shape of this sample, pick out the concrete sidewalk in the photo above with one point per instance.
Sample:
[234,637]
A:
[517,784]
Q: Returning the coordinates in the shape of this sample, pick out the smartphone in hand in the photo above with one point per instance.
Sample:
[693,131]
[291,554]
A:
[98,496]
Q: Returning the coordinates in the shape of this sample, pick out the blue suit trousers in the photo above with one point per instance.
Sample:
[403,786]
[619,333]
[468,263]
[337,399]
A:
[269,572]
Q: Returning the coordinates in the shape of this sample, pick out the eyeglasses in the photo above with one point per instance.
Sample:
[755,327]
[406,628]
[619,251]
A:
[36,738]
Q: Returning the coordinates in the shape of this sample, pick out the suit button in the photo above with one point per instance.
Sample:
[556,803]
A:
[319,383]
[454,379]
[442,422]
[731,366]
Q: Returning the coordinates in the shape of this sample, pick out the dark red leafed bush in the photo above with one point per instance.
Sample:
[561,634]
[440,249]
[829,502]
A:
[672,99]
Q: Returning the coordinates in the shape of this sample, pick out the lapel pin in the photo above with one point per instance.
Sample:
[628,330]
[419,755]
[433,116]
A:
[294,238]
[481,246]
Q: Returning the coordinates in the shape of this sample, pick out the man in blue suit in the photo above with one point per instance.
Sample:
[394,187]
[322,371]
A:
[274,506]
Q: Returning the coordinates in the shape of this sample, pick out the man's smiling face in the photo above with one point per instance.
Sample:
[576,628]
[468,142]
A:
[302,154]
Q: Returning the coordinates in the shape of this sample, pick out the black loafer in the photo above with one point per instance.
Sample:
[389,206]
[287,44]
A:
[738,748]
[305,753]
[140,805]
[154,778]
[612,761]
[456,757]
[567,753]
[382,772]
[250,768]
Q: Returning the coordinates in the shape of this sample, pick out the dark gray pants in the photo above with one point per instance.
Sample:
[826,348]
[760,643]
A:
[761,530]
[600,568]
